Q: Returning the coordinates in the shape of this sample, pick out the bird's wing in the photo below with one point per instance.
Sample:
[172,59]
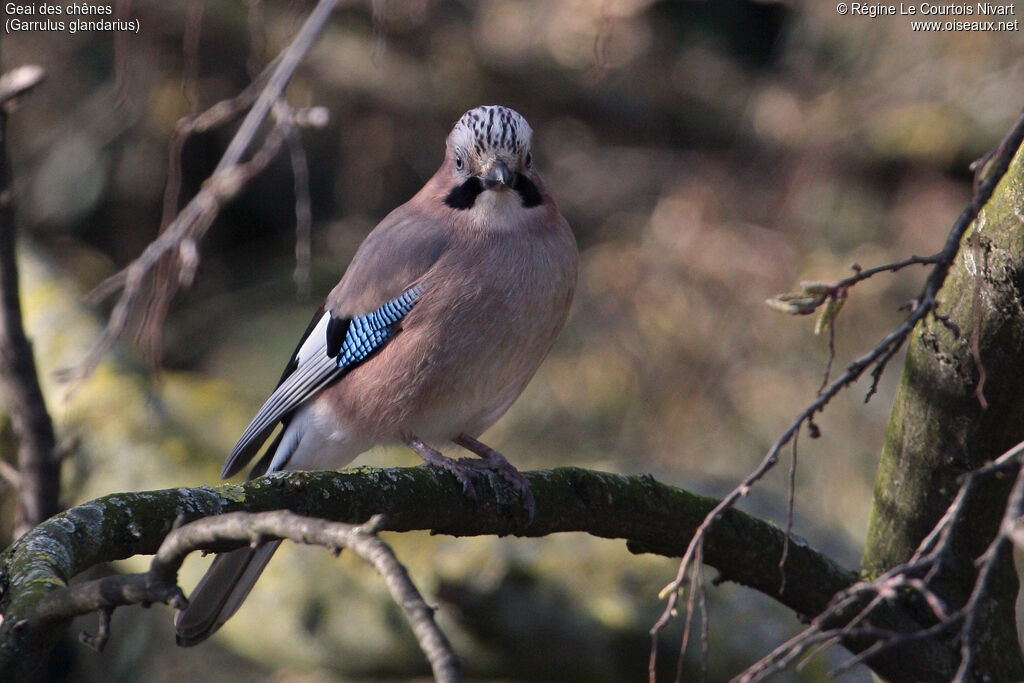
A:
[311,368]
[362,314]
[394,256]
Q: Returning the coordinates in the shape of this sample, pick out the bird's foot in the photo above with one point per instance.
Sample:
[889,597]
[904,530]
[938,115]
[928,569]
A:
[491,459]
[462,472]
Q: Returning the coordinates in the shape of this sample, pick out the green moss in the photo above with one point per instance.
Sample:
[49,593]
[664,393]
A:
[938,429]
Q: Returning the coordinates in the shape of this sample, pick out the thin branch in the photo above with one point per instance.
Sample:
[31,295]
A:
[831,358]
[280,77]
[303,209]
[228,178]
[190,53]
[235,530]
[790,506]
[216,116]
[238,529]
[19,81]
[687,626]
[176,269]
[785,654]
[924,305]
[109,592]
[888,641]
[987,563]
[926,561]
[432,640]
[9,473]
[181,236]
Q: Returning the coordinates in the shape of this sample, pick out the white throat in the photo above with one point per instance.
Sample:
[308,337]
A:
[498,211]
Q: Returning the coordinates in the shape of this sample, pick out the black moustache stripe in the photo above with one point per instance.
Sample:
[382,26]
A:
[464,196]
[527,190]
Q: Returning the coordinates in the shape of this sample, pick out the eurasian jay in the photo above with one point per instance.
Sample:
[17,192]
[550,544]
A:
[441,319]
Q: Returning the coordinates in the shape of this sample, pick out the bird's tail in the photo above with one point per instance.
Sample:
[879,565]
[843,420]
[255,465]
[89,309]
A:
[221,592]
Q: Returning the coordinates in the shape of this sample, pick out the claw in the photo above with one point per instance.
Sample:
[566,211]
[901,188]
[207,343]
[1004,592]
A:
[431,456]
[466,470]
[493,460]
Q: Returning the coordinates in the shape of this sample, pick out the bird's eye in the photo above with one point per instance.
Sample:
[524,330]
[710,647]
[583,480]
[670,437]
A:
[458,162]
[529,160]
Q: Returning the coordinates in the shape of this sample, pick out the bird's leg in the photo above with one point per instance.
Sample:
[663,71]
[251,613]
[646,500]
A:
[493,460]
[434,457]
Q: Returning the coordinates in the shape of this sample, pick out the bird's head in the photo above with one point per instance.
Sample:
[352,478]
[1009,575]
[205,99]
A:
[489,150]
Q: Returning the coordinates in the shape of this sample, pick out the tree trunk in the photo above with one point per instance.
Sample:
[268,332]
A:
[940,427]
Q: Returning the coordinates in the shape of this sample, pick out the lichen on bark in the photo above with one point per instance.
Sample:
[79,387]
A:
[944,423]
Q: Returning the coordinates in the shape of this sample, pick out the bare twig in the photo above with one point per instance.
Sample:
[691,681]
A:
[190,53]
[238,529]
[303,212]
[926,561]
[257,36]
[10,475]
[225,111]
[279,78]
[19,81]
[432,640]
[175,269]
[987,563]
[790,505]
[181,236]
[698,580]
[230,175]
[830,360]
[876,360]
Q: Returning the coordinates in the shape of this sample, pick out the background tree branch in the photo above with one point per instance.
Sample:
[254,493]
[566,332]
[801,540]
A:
[38,464]
[179,237]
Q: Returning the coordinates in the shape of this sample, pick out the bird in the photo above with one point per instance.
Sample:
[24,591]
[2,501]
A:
[441,318]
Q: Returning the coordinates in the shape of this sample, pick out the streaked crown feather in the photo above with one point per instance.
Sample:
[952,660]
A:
[492,128]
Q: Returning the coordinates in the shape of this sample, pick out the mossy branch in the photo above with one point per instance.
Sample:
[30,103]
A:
[651,516]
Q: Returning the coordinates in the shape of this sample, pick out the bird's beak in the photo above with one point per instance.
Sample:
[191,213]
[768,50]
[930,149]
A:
[499,177]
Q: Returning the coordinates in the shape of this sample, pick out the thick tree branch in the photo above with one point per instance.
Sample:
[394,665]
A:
[653,517]
[38,465]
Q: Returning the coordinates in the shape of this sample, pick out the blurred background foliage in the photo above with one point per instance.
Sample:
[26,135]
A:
[707,154]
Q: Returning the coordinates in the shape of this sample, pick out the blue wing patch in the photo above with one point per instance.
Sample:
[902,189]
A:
[367,333]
